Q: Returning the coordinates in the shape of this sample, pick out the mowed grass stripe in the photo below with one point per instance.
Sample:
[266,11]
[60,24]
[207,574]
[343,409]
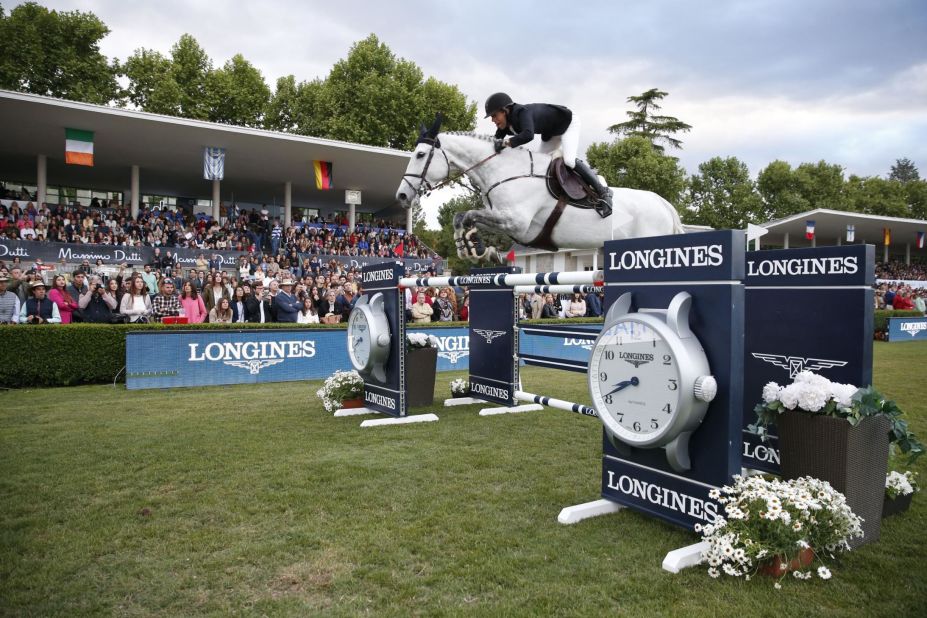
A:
[252,500]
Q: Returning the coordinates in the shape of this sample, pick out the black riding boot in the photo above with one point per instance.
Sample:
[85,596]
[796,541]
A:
[604,207]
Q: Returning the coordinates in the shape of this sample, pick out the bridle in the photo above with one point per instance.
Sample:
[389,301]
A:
[424,187]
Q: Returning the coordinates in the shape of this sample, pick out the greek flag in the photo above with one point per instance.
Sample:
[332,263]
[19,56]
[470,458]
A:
[213,163]
[851,233]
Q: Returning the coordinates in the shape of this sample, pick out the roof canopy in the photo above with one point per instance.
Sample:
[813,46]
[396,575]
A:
[830,228]
[169,152]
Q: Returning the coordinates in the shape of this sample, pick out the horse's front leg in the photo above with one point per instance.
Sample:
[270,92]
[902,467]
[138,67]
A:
[467,239]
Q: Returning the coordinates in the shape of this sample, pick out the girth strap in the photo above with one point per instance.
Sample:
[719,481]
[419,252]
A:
[543,240]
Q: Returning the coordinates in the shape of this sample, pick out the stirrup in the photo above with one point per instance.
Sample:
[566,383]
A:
[604,207]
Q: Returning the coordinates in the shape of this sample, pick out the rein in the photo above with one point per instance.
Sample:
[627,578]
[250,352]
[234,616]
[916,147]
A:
[428,187]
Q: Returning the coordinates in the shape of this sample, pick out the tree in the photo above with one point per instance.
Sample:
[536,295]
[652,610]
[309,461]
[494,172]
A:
[151,83]
[190,69]
[876,196]
[282,110]
[635,164]
[722,195]
[904,171]
[371,97]
[916,197]
[646,124]
[56,54]
[821,185]
[238,94]
[177,86]
[778,186]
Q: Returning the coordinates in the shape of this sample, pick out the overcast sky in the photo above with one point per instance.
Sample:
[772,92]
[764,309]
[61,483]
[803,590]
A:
[839,80]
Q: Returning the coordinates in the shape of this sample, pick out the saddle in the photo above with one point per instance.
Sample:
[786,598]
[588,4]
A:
[565,184]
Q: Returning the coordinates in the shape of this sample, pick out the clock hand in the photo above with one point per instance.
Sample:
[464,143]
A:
[623,385]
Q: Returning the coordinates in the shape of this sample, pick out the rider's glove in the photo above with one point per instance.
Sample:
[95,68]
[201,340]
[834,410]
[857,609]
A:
[498,144]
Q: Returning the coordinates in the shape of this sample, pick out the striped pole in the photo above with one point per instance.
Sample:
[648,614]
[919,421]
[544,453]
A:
[557,289]
[560,404]
[576,277]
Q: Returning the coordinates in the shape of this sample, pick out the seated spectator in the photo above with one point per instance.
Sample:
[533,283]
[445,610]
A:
[902,300]
[593,305]
[59,295]
[422,309]
[221,313]
[38,309]
[286,304]
[136,303]
[9,303]
[98,304]
[166,303]
[550,309]
[192,304]
[307,314]
[576,308]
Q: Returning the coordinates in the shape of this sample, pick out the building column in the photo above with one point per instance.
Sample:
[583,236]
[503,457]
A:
[352,217]
[884,252]
[41,176]
[135,196]
[907,253]
[409,217]
[814,241]
[215,199]
[839,241]
[287,204]
[786,241]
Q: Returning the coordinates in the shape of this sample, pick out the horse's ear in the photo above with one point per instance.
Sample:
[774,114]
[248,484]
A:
[436,125]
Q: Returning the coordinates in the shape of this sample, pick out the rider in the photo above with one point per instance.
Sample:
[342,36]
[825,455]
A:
[517,124]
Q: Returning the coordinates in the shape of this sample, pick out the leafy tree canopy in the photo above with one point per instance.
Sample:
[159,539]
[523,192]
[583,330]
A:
[55,54]
[643,122]
[904,171]
[722,195]
[635,164]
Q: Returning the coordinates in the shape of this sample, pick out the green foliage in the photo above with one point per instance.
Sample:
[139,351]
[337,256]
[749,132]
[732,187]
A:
[722,195]
[635,164]
[644,123]
[916,197]
[881,317]
[779,189]
[876,196]
[82,353]
[190,69]
[151,84]
[240,95]
[370,97]
[904,171]
[56,54]
[821,185]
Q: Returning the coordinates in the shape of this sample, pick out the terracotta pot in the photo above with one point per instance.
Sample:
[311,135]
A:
[352,403]
[773,567]
[898,505]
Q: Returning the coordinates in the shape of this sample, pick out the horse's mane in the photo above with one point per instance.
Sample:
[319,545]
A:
[480,136]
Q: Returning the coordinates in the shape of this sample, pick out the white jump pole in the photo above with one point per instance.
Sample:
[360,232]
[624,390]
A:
[559,404]
[557,289]
[587,277]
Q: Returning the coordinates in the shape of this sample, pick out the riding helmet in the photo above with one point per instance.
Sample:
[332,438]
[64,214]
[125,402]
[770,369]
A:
[497,101]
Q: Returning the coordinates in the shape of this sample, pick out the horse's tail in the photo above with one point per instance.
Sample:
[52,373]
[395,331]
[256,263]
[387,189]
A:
[677,221]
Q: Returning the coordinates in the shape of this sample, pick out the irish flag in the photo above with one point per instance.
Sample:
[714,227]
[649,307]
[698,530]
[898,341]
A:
[323,175]
[78,148]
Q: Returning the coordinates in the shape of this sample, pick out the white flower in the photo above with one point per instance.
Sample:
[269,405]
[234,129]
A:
[777,586]
[789,395]
[713,572]
[823,572]
[812,397]
[771,392]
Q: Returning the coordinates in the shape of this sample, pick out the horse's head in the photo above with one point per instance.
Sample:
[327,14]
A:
[426,168]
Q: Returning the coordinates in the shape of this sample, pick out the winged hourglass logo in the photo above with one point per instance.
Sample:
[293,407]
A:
[797,364]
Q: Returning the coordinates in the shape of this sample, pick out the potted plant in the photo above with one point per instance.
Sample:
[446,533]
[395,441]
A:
[421,365]
[838,433]
[459,388]
[342,389]
[899,490]
[774,527]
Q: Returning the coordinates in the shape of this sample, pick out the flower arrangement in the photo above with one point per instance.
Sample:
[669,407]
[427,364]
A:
[816,394]
[765,519]
[415,341]
[460,387]
[898,484]
[339,386]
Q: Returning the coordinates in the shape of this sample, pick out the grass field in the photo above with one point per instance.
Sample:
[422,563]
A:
[252,500]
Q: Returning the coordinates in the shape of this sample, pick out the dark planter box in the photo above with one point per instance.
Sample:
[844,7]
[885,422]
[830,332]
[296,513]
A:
[421,364]
[898,505]
[853,460]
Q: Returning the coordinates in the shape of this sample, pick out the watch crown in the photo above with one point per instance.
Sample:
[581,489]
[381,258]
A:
[383,339]
[706,387]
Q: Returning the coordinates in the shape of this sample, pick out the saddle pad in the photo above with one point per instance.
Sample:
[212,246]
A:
[572,186]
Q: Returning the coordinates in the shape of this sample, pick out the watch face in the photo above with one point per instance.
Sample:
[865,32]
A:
[634,381]
[359,339]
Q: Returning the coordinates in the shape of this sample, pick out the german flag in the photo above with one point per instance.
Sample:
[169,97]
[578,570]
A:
[323,175]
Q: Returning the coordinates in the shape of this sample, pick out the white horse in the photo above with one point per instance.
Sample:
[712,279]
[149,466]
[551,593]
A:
[513,185]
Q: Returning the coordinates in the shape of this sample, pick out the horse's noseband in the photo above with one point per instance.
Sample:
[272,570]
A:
[425,187]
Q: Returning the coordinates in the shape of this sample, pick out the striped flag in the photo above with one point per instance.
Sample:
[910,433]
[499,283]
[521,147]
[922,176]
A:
[886,236]
[851,233]
[213,163]
[78,147]
[809,229]
[323,175]
[920,240]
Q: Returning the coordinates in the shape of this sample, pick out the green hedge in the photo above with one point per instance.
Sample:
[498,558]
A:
[882,315]
[73,354]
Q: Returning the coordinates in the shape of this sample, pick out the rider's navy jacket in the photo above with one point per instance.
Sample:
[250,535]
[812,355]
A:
[527,120]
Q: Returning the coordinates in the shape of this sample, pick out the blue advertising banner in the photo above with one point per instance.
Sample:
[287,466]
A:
[204,358]
[907,329]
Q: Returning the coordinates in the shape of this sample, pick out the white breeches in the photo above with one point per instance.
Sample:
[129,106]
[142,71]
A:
[568,143]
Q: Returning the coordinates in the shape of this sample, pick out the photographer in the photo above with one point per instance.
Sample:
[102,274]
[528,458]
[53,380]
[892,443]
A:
[97,306]
[38,309]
